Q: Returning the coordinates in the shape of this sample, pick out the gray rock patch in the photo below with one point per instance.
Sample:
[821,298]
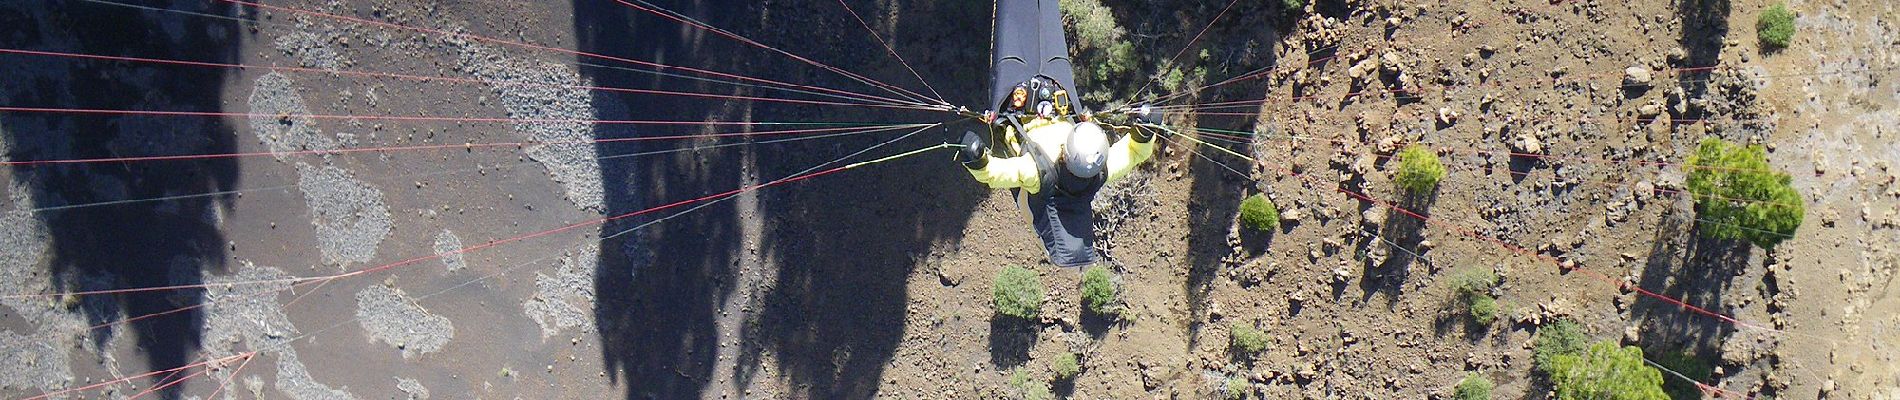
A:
[315,45]
[350,216]
[30,363]
[392,317]
[34,360]
[446,242]
[565,300]
[248,314]
[541,91]
[310,50]
[283,124]
[412,388]
[295,381]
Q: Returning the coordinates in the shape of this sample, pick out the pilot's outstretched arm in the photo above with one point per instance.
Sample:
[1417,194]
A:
[998,173]
[1135,148]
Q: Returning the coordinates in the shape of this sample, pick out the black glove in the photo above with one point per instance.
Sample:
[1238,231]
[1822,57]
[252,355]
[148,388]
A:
[975,154]
[1148,115]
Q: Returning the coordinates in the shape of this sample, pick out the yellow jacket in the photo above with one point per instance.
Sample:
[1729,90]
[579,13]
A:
[1049,136]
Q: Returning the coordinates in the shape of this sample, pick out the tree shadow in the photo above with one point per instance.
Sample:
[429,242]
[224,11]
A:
[809,277]
[1097,325]
[1704,29]
[134,244]
[1699,271]
[1386,276]
[1011,339]
[1455,315]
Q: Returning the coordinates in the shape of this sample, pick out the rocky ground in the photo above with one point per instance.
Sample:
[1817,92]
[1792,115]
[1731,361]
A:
[876,283]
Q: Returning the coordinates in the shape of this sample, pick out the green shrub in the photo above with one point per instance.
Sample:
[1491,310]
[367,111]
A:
[1419,170]
[1560,338]
[1738,196]
[1294,6]
[1018,293]
[1032,389]
[1066,366]
[1472,287]
[1246,340]
[1484,310]
[1606,371]
[1690,367]
[1258,214]
[1775,28]
[1098,291]
[1236,388]
[1474,281]
[1474,387]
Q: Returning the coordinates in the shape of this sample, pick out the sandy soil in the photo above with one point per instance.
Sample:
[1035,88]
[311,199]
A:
[875,283]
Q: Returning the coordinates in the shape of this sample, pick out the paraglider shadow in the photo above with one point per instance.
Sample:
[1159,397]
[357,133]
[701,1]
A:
[806,280]
[1215,192]
[134,244]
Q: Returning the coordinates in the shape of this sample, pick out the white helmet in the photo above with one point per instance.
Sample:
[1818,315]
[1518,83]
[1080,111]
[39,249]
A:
[1087,150]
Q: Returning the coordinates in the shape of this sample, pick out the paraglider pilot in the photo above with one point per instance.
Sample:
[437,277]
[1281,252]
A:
[1055,162]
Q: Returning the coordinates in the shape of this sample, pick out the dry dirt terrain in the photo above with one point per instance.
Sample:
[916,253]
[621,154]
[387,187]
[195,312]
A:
[470,259]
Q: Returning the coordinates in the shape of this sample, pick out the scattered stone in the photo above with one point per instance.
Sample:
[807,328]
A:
[1637,77]
[1291,216]
[391,316]
[1391,63]
[1649,110]
[1527,143]
[1447,116]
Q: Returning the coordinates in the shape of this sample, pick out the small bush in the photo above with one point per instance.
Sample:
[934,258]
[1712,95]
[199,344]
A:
[1775,28]
[1246,340]
[1258,214]
[1065,366]
[1606,371]
[1032,389]
[1098,291]
[1294,6]
[1474,387]
[1738,196]
[1484,310]
[1687,365]
[1236,388]
[1473,289]
[1560,338]
[1419,170]
[1018,293]
[1474,281]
